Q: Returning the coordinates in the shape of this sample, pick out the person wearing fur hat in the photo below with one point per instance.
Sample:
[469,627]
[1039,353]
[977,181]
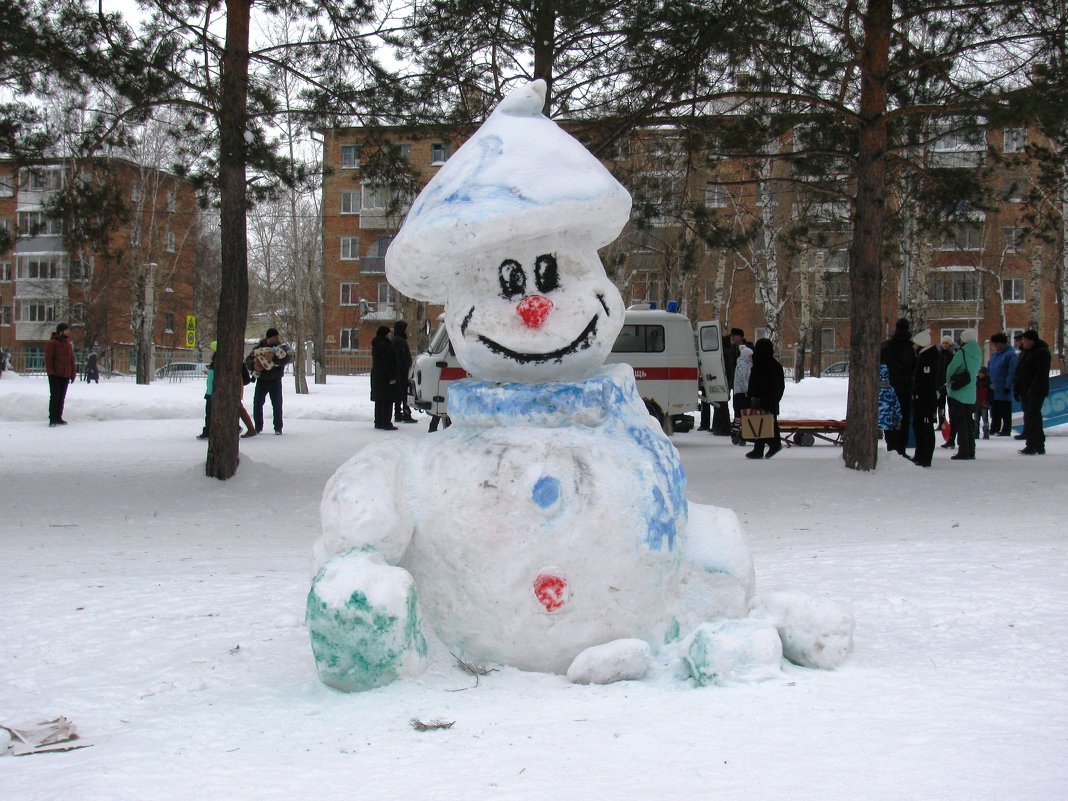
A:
[900,359]
[384,378]
[1032,387]
[924,398]
[61,369]
[960,390]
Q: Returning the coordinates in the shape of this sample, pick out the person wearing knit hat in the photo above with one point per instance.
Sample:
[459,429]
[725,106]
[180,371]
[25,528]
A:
[900,359]
[946,348]
[267,362]
[1002,367]
[960,390]
[61,369]
[924,398]
[1032,387]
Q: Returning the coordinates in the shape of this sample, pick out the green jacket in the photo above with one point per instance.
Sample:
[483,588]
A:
[968,355]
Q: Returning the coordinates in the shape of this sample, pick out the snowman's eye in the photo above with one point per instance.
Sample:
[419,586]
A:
[546,275]
[513,279]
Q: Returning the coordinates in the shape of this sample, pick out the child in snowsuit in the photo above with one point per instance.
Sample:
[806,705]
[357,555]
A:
[982,404]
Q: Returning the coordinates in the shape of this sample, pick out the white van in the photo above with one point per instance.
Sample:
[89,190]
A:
[672,367]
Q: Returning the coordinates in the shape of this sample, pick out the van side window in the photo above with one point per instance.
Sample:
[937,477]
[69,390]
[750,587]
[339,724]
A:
[640,339]
[710,339]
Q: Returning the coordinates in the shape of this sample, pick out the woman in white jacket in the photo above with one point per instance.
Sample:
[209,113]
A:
[741,379]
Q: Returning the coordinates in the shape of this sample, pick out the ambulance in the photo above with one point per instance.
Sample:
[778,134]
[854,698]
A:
[674,366]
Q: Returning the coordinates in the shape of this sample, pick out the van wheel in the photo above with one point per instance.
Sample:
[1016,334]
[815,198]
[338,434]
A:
[655,411]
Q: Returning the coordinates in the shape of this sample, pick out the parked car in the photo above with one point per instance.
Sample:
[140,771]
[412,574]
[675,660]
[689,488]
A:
[177,371]
[836,370]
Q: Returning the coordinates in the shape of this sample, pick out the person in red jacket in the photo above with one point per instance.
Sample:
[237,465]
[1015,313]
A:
[61,369]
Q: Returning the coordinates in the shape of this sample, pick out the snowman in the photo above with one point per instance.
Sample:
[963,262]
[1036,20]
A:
[547,529]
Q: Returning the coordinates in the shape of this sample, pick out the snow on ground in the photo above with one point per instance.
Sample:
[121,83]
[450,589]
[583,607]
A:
[162,612]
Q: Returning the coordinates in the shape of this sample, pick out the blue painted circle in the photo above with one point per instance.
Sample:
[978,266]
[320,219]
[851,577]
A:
[546,491]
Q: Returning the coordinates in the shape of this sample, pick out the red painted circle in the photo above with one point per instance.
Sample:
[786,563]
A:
[534,309]
[551,591]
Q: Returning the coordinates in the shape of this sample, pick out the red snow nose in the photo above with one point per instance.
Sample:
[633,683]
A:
[534,309]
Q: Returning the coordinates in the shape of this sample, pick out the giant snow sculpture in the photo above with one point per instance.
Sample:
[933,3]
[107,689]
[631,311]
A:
[548,528]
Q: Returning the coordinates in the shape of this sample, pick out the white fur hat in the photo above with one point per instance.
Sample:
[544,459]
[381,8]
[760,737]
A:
[922,338]
[969,335]
[518,177]
[947,340]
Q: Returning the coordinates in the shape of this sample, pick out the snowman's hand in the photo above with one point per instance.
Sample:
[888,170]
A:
[365,506]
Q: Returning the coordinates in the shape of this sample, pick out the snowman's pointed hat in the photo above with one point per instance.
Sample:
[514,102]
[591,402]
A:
[518,177]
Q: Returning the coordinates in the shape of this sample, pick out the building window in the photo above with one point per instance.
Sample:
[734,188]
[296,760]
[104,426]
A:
[350,339]
[40,267]
[963,236]
[827,340]
[836,286]
[33,358]
[41,180]
[1012,332]
[7,185]
[35,223]
[1014,190]
[171,201]
[169,241]
[1015,140]
[1012,239]
[350,157]
[350,201]
[168,322]
[5,271]
[80,270]
[375,196]
[38,311]
[350,246]
[959,149]
[1012,290]
[716,196]
[383,245]
[350,294]
[386,294]
[951,286]
[952,332]
[404,152]
[439,152]
[5,315]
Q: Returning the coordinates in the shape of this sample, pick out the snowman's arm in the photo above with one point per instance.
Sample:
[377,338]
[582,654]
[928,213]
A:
[365,506]
[716,543]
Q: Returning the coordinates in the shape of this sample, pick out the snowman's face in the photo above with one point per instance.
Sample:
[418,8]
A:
[534,313]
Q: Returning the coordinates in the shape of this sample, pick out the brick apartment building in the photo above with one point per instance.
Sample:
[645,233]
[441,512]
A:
[101,284]
[983,268]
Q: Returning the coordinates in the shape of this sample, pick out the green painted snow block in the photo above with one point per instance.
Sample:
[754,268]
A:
[371,636]
[733,652]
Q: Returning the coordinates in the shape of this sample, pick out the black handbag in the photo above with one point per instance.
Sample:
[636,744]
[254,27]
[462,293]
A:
[961,378]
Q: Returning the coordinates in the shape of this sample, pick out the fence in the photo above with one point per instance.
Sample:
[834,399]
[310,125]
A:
[114,362]
[348,362]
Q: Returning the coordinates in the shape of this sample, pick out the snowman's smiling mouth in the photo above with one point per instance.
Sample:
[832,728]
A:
[581,342]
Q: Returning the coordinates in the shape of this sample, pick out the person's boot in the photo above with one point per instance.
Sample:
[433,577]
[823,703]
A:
[756,453]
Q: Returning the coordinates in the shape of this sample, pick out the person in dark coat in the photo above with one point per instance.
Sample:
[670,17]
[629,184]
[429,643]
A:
[924,398]
[946,350]
[383,378]
[269,381]
[1031,389]
[898,354]
[721,415]
[92,372]
[402,413]
[766,387]
[1002,367]
[61,369]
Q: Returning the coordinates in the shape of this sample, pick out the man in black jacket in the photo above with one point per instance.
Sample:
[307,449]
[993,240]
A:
[402,413]
[383,378]
[269,381]
[1031,388]
[899,357]
[721,416]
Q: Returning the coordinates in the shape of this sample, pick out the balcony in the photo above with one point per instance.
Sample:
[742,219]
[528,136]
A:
[372,265]
[955,310]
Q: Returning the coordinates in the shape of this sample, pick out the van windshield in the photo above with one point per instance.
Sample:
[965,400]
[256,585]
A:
[440,340]
[640,339]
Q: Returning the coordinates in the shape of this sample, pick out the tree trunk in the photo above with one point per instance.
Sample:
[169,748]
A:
[233,293]
[544,41]
[861,448]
